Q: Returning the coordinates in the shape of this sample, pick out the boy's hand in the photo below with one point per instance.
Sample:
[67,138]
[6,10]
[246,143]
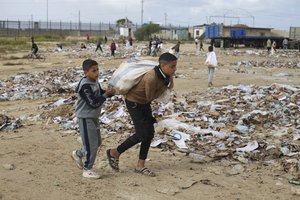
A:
[110,92]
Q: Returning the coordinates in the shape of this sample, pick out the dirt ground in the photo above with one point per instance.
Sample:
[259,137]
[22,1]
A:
[40,152]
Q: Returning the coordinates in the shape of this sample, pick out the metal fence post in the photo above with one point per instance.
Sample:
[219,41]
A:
[90,27]
[40,30]
[60,28]
[29,29]
[19,27]
[7,28]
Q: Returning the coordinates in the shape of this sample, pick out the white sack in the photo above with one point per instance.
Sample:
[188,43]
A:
[211,59]
[129,74]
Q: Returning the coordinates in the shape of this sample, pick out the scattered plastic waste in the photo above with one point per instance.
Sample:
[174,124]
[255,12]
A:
[294,181]
[244,122]
[251,146]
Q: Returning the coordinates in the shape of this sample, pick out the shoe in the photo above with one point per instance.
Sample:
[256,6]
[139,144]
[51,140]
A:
[77,159]
[113,162]
[88,173]
[145,171]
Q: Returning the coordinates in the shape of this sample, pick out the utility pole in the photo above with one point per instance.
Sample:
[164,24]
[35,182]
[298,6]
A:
[31,24]
[166,25]
[47,15]
[79,23]
[142,12]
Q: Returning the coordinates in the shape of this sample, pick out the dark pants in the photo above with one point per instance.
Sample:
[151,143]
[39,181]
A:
[141,115]
[99,47]
[112,52]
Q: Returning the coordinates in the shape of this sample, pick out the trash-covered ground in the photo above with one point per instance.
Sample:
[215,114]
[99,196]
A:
[238,140]
[269,64]
[221,123]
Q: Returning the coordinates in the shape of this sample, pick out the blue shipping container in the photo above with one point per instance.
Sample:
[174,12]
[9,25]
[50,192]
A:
[236,33]
[212,31]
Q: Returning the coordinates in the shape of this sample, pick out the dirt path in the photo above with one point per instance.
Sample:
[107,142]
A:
[43,168]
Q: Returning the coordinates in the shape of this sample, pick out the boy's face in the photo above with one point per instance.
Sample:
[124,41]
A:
[92,73]
[169,68]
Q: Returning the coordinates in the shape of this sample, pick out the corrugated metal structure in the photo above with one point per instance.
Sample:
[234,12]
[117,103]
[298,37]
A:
[294,33]
[237,33]
[219,30]
[228,36]
[180,34]
[214,31]
[198,31]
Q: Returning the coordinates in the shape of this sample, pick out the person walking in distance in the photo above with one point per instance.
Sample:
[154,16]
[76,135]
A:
[211,62]
[201,45]
[113,48]
[98,45]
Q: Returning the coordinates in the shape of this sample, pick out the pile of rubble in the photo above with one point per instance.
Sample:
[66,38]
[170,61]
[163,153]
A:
[274,63]
[55,82]
[8,123]
[243,123]
[262,53]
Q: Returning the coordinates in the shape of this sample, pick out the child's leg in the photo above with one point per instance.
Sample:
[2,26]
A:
[91,139]
[210,74]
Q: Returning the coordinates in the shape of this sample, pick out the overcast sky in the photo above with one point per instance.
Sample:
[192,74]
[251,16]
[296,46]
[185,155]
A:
[278,14]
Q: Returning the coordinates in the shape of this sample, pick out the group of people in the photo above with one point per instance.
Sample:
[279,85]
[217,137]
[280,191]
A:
[112,45]
[272,45]
[138,100]
[155,45]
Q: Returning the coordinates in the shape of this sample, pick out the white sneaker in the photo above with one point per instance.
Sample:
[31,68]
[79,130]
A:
[77,160]
[88,173]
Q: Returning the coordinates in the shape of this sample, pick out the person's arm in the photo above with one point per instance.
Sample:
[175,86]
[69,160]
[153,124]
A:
[87,94]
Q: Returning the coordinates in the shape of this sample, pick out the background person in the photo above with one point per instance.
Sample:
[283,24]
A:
[34,47]
[212,62]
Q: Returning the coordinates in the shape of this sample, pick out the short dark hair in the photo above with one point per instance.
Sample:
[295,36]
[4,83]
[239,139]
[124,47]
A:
[166,57]
[88,63]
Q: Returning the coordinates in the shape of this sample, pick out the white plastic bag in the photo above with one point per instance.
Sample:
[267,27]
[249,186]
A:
[171,51]
[211,59]
[129,74]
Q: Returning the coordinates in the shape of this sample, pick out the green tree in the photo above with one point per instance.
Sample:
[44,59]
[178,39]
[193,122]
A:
[146,31]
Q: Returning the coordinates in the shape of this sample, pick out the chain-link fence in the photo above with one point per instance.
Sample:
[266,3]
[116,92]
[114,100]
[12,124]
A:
[29,28]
